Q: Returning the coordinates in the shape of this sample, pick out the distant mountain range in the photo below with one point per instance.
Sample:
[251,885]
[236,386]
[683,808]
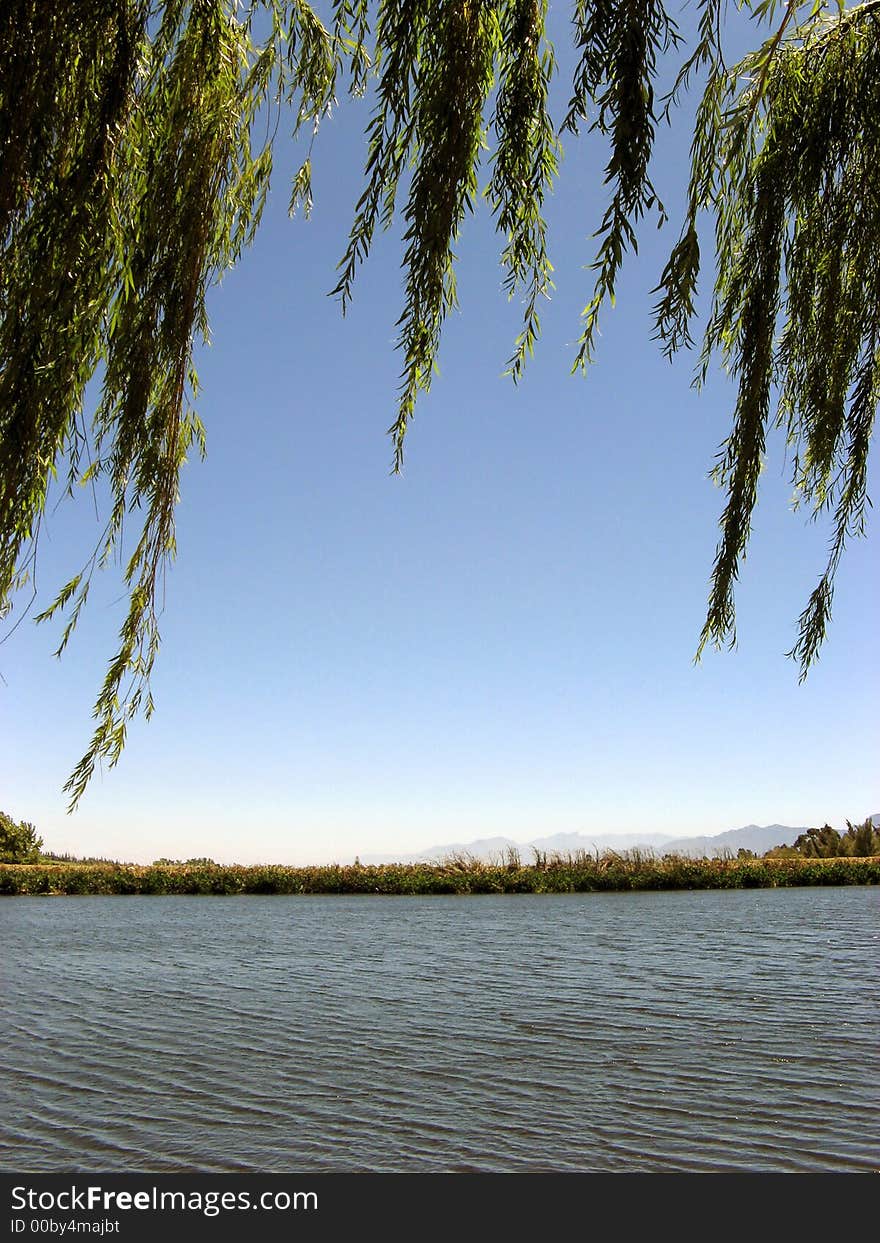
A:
[756,837]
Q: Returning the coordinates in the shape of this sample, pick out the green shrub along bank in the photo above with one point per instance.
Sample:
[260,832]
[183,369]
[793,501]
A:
[858,841]
[581,873]
[19,843]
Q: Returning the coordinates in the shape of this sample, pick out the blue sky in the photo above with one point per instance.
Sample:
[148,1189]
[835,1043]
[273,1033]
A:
[501,640]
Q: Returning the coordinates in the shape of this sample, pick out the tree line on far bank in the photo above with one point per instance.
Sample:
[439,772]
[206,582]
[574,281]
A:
[20,843]
[859,841]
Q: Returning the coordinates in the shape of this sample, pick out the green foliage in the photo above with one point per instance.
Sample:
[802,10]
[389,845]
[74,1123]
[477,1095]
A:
[135,160]
[19,843]
[52,856]
[619,45]
[784,157]
[199,862]
[859,841]
[821,843]
[578,873]
[783,852]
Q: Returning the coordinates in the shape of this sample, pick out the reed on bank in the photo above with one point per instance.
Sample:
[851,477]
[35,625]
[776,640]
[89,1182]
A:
[573,873]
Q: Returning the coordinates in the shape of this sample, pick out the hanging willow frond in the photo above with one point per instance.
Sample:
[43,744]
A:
[438,63]
[130,182]
[796,314]
[525,162]
[136,148]
[453,84]
[620,41]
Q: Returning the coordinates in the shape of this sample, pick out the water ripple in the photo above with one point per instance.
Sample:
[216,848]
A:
[660,1032]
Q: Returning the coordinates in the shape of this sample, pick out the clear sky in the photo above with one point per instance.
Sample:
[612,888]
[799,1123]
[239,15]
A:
[500,641]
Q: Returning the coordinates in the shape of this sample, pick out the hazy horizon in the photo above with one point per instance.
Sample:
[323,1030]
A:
[620,840]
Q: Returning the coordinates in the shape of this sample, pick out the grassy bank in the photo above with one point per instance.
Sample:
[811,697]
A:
[568,874]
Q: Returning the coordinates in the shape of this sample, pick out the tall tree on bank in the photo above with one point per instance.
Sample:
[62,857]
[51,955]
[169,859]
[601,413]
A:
[135,159]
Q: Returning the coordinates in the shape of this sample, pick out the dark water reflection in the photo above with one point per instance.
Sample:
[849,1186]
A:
[678,1031]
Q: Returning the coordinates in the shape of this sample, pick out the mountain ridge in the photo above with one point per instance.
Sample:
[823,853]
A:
[756,837]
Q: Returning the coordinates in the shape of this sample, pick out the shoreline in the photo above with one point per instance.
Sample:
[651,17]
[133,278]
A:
[572,874]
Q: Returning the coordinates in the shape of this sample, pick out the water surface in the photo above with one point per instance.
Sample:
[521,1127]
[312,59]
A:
[712,1030]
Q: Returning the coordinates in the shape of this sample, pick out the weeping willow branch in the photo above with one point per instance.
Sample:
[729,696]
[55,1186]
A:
[525,163]
[620,42]
[797,286]
[137,140]
[131,181]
